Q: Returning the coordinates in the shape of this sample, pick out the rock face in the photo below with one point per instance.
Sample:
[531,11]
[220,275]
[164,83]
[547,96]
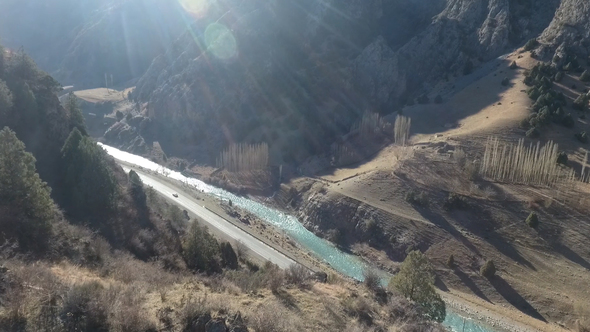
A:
[299,76]
[126,138]
[570,27]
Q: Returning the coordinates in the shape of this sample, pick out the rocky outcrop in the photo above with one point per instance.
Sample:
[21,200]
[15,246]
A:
[570,28]
[124,137]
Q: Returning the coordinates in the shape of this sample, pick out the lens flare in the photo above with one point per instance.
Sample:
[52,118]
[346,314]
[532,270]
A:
[197,8]
[220,41]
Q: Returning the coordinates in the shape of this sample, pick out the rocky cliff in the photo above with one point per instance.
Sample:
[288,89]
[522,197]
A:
[298,76]
[570,28]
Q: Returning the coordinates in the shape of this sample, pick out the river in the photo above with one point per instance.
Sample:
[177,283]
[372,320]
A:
[342,262]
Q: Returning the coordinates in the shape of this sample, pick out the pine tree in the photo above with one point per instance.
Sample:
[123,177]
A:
[200,249]
[415,281]
[75,116]
[27,210]
[5,99]
[89,185]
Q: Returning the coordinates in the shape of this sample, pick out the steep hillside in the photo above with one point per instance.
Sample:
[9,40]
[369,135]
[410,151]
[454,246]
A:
[81,41]
[265,78]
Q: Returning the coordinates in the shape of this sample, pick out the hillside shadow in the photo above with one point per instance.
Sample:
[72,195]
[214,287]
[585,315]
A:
[432,118]
[571,255]
[492,237]
[514,298]
[438,283]
[467,281]
[440,221]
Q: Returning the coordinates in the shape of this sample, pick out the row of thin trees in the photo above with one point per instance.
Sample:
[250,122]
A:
[244,157]
[401,130]
[517,163]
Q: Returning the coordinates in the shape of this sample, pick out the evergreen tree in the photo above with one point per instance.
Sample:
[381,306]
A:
[2,61]
[75,116]
[228,256]
[23,67]
[137,192]
[26,208]
[200,249]
[89,185]
[5,99]
[415,281]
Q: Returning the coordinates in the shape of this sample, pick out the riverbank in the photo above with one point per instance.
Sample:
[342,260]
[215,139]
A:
[496,317]
[499,319]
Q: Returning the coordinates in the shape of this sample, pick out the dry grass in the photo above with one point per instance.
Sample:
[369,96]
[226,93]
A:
[244,157]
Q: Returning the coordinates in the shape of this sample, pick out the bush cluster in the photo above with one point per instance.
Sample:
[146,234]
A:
[532,220]
[488,270]
[549,104]
[417,198]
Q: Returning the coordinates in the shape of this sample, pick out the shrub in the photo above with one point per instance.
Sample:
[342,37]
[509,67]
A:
[585,77]
[83,310]
[454,201]
[488,270]
[582,137]
[569,67]
[297,275]
[580,103]
[505,81]
[372,280]
[119,115]
[533,133]
[438,99]
[532,220]
[531,44]
[272,317]
[451,261]
[562,158]
[275,278]
[359,307]
[513,65]
[568,121]
[195,312]
[416,198]
[558,77]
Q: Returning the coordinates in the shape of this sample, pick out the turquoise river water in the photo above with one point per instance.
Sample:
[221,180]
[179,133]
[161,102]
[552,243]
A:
[344,263]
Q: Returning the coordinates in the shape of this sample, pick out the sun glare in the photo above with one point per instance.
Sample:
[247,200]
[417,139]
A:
[197,8]
[220,41]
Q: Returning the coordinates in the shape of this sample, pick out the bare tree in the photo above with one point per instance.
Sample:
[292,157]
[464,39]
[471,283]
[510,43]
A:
[244,157]
[401,130]
[533,165]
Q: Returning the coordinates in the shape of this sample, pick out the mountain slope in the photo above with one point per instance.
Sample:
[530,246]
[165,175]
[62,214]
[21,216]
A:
[81,41]
[299,77]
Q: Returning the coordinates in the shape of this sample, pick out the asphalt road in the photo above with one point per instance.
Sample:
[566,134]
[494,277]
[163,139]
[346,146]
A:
[215,223]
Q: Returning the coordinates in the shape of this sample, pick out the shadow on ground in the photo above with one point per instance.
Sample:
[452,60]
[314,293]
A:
[513,297]
[467,281]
